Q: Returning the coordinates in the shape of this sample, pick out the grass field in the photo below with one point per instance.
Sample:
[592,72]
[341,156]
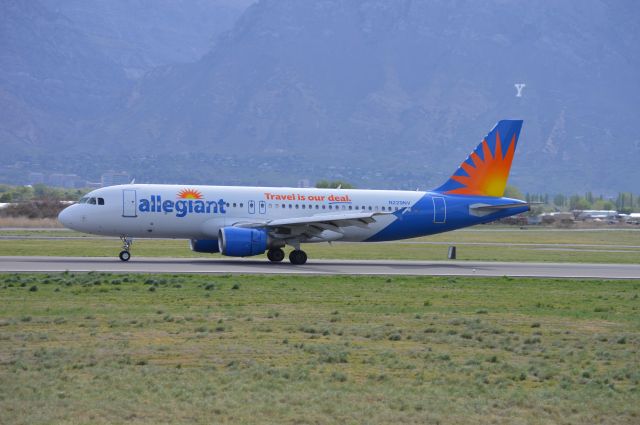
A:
[482,243]
[98,348]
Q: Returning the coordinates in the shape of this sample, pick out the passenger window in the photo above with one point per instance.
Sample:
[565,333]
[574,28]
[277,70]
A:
[303,206]
[324,207]
[234,205]
[92,201]
[297,206]
[349,206]
[100,201]
[241,204]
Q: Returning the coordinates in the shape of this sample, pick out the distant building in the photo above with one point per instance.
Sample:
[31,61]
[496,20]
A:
[633,218]
[304,183]
[36,178]
[112,178]
[596,215]
[556,217]
[68,181]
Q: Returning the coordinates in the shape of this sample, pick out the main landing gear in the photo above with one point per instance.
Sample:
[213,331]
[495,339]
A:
[297,256]
[275,255]
[126,246]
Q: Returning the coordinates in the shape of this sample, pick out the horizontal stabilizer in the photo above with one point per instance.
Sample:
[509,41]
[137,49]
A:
[480,210]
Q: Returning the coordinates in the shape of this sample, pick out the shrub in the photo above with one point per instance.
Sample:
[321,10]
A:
[34,209]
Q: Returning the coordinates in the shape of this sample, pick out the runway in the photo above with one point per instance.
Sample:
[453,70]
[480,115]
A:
[318,267]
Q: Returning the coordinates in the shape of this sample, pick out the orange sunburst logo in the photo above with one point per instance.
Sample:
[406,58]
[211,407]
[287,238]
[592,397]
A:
[488,175]
[189,194]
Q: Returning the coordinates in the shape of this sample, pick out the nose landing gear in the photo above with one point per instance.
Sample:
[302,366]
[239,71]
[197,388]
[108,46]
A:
[125,255]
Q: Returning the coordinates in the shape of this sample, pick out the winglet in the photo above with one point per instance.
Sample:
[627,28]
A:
[486,170]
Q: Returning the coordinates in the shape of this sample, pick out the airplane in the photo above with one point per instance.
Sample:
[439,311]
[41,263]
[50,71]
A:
[246,221]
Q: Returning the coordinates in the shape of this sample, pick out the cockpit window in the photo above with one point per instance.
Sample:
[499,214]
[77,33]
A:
[92,201]
[83,200]
[100,201]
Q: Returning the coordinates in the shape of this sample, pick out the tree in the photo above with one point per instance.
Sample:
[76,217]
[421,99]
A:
[601,204]
[512,192]
[326,184]
[559,200]
[579,203]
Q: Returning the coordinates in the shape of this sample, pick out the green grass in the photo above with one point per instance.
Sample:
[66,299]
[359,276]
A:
[483,243]
[100,348]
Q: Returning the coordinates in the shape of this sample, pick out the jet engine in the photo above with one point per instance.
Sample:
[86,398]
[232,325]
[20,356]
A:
[241,242]
[204,245]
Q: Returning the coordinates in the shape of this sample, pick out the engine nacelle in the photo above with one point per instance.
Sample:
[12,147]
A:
[241,242]
[204,245]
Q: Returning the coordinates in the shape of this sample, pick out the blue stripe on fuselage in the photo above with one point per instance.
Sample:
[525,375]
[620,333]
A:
[419,219]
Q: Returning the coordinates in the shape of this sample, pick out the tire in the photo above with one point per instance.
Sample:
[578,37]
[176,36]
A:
[275,255]
[124,255]
[298,257]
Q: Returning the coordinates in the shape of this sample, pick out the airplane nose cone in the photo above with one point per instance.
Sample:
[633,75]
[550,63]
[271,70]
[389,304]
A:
[65,218]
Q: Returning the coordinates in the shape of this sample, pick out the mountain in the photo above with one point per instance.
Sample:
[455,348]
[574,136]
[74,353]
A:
[385,94]
[142,34]
[66,65]
[408,85]
[52,78]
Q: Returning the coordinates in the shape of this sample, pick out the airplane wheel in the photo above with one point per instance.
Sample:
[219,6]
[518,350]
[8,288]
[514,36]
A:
[124,255]
[298,256]
[275,255]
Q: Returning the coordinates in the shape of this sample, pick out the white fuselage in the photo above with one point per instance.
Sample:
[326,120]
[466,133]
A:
[198,212]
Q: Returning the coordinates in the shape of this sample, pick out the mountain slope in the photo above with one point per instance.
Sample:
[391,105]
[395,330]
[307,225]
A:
[409,84]
[52,79]
[382,94]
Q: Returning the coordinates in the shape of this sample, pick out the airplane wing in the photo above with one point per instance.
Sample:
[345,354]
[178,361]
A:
[321,226]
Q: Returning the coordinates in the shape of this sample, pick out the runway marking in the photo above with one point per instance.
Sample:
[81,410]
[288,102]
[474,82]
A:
[323,267]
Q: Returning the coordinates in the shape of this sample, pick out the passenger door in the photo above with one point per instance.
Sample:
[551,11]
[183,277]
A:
[129,203]
[439,210]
